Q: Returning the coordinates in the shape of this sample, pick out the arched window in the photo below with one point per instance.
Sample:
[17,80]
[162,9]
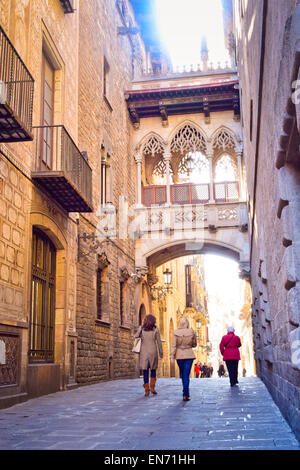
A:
[188,139]
[226,181]
[142,314]
[194,168]
[153,146]
[225,169]
[42,318]
[159,173]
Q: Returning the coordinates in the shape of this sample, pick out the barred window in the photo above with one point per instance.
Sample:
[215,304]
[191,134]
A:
[99,294]
[122,302]
[42,317]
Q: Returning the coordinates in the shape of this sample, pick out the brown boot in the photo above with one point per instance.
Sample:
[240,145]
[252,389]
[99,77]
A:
[152,385]
[147,390]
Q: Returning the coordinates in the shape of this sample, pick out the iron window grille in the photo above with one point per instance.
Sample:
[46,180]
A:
[42,318]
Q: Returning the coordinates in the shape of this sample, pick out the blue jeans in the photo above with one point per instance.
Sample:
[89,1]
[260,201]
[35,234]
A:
[146,375]
[185,366]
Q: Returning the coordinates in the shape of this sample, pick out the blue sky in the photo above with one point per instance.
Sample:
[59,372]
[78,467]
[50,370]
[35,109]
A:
[182,24]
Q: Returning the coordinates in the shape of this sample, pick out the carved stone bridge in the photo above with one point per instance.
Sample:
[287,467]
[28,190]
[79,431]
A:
[165,233]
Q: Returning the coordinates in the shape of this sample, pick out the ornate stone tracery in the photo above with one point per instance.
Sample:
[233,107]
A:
[188,139]
[160,168]
[223,140]
[153,146]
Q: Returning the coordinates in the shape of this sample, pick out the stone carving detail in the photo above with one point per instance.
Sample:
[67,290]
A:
[188,139]
[193,215]
[153,146]
[227,214]
[223,140]
[124,273]
[103,261]
[9,367]
[50,207]
[160,168]
[156,217]
[140,274]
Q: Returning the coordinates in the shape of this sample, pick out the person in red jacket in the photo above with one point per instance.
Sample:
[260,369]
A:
[229,348]
[197,370]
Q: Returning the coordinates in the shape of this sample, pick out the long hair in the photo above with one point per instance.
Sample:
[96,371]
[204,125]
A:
[183,323]
[149,322]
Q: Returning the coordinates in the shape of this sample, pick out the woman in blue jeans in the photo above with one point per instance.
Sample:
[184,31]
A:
[184,339]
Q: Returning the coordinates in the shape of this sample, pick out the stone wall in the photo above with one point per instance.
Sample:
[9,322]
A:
[31,27]
[267,35]
[104,346]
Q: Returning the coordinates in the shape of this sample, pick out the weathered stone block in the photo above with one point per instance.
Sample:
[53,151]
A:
[294,338]
[293,298]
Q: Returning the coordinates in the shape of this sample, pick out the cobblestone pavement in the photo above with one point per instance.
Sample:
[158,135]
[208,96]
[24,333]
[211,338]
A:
[116,416]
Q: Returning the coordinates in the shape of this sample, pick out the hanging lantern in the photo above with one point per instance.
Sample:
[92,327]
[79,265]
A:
[167,277]
[189,164]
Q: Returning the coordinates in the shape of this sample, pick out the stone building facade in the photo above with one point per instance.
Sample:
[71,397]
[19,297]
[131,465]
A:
[267,48]
[34,225]
[107,65]
[67,300]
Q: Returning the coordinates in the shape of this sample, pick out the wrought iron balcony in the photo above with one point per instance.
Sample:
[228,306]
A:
[68,6]
[16,94]
[62,169]
[190,193]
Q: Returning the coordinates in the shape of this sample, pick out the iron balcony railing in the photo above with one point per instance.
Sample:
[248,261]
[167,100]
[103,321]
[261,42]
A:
[16,94]
[62,169]
[190,193]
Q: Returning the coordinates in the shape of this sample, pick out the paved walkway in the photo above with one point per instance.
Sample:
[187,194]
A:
[116,416]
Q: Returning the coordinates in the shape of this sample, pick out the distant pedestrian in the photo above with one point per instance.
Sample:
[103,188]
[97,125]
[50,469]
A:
[211,370]
[184,339]
[197,370]
[244,372]
[150,347]
[229,348]
[204,371]
[221,370]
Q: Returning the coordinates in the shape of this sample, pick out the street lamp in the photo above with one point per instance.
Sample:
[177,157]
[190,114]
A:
[167,277]
[161,291]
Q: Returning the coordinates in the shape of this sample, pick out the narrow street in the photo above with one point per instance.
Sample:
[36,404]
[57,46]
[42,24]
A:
[115,415]
[150,192]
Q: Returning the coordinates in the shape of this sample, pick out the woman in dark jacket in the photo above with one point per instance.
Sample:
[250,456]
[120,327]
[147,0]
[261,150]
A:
[150,347]
[229,348]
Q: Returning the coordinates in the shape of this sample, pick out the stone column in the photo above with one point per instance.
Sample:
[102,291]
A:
[103,180]
[167,159]
[241,183]
[138,159]
[210,154]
